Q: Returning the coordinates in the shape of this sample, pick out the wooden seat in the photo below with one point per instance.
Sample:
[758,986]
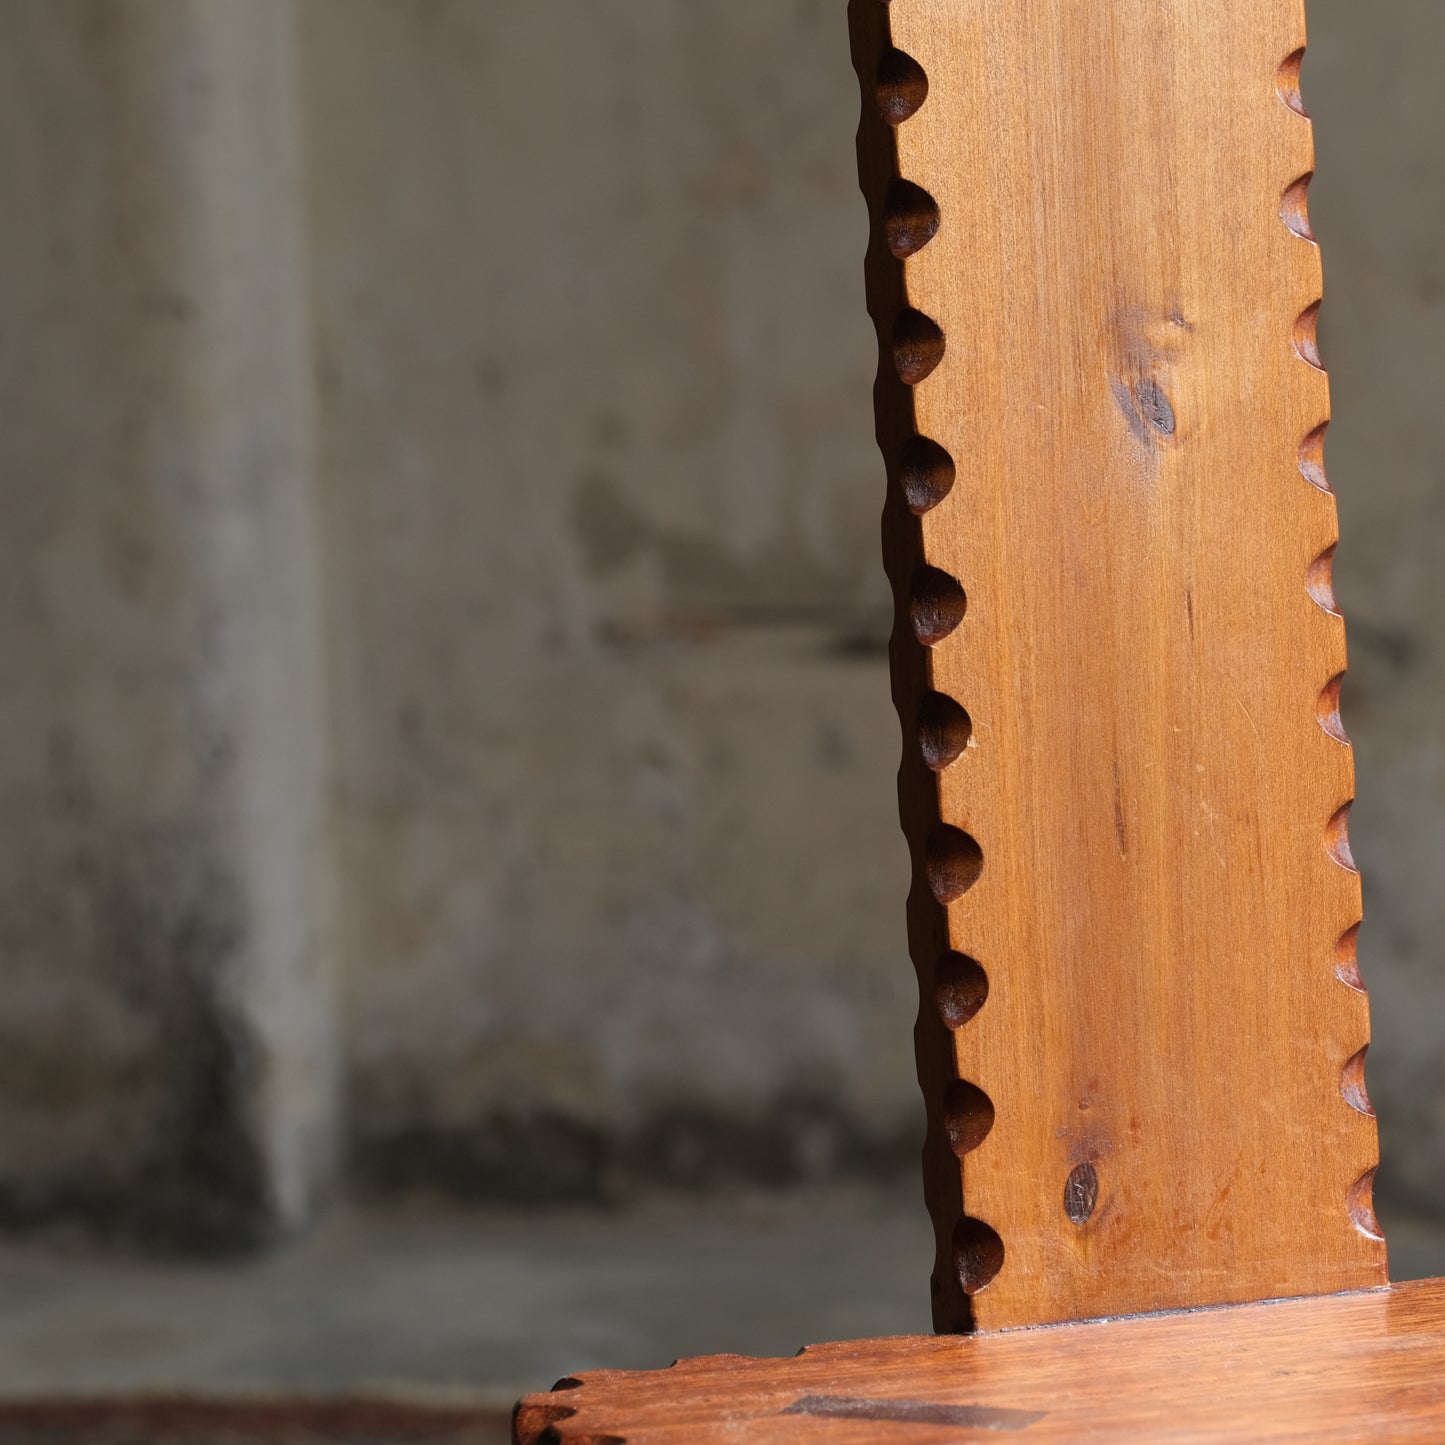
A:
[1367,1368]
[1117,660]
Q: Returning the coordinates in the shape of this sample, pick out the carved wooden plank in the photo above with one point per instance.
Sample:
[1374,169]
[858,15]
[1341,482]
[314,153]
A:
[1117,656]
[1351,1369]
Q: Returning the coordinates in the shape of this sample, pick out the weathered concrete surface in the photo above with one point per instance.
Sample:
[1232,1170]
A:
[165,1025]
[616,751]
[1378,205]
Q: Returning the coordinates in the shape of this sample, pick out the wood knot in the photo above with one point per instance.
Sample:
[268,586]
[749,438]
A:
[1154,406]
[1081,1194]
[1145,407]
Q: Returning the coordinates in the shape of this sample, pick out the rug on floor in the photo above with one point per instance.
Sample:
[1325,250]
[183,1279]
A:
[250,1422]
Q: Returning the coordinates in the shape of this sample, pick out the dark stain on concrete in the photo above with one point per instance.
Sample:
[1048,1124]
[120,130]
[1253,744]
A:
[610,531]
[162,925]
[546,1157]
[705,586]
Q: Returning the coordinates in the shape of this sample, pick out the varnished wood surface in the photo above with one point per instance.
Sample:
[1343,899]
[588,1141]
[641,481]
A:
[1125,781]
[1367,1368]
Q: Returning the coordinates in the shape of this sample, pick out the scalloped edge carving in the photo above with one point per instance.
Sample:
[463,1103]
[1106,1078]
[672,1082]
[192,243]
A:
[919,346]
[1288,82]
[1328,710]
[910,219]
[926,474]
[937,605]
[1312,458]
[900,87]
[931,606]
[1294,208]
[944,731]
[1352,1084]
[968,1116]
[534,1415]
[955,862]
[1319,583]
[1337,839]
[1361,1205]
[978,1254]
[1307,337]
[1347,959]
[960,989]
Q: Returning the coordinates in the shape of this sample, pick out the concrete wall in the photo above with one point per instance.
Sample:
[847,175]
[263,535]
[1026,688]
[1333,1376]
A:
[582,495]
[166,1020]
[1378,205]
[616,752]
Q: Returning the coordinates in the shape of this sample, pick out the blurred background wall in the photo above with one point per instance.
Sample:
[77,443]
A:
[446,735]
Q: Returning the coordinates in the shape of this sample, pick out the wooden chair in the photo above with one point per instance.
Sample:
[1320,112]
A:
[1125,783]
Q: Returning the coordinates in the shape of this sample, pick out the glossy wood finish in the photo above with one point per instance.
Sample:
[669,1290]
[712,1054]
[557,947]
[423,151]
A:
[1362,1368]
[1117,656]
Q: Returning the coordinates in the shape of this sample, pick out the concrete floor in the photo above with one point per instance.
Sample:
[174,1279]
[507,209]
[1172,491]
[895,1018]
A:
[487,1304]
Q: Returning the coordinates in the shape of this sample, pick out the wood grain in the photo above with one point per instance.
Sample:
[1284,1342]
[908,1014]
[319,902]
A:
[1117,656]
[1361,1368]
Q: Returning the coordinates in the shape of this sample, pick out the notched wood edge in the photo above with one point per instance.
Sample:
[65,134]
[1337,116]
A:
[556,1415]
[930,606]
[1319,584]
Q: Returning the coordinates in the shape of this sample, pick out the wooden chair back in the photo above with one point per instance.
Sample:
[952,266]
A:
[1117,656]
